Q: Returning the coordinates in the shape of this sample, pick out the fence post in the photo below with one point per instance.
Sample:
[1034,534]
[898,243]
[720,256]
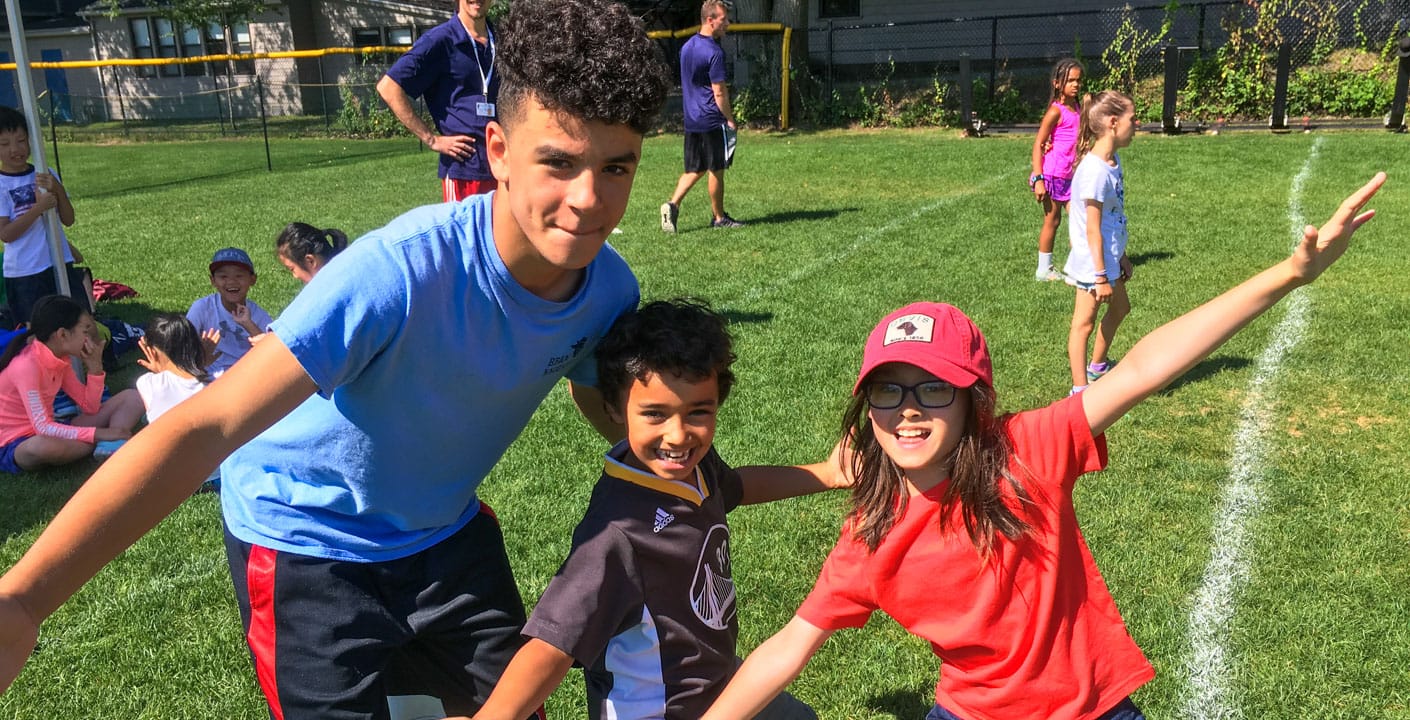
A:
[966,95]
[54,135]
[1396,120]
[829,62]
[1279,119]
[264,122]
[1169,121]
[122,105]
[993,56]
[323,97]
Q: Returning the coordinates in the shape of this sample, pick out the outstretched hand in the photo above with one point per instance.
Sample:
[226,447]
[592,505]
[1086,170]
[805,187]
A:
[1321,247]
[18,633]
[149,359]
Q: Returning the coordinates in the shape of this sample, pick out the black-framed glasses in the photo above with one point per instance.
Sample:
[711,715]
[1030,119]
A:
[932,394]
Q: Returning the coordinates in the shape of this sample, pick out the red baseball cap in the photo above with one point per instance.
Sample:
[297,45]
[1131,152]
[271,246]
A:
[934,337]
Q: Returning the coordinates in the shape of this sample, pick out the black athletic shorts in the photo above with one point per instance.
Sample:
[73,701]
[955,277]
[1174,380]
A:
[332,639]
[706,151]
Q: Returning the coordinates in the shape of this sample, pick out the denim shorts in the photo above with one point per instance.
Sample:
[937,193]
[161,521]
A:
[1124,710]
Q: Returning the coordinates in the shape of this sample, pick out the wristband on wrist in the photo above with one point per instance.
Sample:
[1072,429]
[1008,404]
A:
[1034,178]
[1101,278]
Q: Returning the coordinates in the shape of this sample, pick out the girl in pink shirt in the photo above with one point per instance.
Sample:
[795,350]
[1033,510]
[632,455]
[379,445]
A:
[1054,153]
[962,525]
[34,367]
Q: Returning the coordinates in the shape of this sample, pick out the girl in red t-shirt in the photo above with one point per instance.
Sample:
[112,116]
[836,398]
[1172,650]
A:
[962,526]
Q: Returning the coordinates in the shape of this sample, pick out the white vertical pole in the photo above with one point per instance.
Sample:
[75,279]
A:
[36,137]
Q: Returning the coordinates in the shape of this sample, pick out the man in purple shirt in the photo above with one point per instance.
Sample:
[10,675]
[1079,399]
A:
[452,67]
[709,119]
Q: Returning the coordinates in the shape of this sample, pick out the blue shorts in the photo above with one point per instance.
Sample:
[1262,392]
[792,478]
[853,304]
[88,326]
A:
[7,456]
[1125,710]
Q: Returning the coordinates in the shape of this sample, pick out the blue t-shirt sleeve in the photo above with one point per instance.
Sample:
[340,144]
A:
[418,69]
[618,275]
[347,315]
[717,66]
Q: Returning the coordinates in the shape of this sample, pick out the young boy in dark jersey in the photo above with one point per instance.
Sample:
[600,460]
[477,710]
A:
[645,602]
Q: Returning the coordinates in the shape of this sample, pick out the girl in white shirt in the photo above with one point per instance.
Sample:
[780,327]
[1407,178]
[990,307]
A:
[174,353]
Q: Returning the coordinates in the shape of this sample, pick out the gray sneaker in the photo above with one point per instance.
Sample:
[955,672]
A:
[726,222]
[669,213]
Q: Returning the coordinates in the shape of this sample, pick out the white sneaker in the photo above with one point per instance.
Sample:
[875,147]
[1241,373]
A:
[669,213]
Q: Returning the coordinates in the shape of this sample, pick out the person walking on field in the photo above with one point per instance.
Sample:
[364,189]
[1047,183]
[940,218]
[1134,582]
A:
[709,119]
[452,67]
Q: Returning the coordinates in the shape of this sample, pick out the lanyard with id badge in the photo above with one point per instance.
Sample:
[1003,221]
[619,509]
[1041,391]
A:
[484,109]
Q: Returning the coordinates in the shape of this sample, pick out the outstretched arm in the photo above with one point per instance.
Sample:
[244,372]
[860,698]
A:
[765,483]
[1175,347]
[769,669]
[130,493]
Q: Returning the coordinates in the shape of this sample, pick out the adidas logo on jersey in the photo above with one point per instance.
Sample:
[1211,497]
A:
[663,519]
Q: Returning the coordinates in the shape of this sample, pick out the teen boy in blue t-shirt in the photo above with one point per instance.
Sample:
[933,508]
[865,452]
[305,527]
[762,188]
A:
[360,553]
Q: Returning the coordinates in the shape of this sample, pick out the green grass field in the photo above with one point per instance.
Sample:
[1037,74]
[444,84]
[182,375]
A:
[845,226]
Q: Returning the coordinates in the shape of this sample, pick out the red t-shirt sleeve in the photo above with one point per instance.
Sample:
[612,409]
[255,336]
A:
[842,596]
[1056,443]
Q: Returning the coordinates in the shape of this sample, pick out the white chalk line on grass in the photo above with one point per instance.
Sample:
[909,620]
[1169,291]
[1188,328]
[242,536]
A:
[817,264]
[1209,667]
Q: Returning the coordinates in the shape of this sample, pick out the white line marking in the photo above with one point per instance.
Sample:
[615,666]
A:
[1208,668]
[808,269]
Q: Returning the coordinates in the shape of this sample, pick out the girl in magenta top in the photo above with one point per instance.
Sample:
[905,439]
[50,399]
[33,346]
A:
[34,367]
[1054,154]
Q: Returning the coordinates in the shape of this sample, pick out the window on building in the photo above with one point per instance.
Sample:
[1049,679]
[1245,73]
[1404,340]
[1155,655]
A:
[191,46]
[367,37]
[399,36]
[142,46]
[241,43]
[839,8]
[166,45]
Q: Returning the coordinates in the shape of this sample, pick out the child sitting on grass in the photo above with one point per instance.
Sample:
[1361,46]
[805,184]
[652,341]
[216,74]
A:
[645,601]
[229,310]
[35,365]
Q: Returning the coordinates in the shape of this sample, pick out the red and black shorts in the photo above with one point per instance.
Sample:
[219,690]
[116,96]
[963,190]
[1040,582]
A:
[455,189]
[332,639]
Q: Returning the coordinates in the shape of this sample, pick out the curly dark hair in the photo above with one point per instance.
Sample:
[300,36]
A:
[590,59]
[682,337]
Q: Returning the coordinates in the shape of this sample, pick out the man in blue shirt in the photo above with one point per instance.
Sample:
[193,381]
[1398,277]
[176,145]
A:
[709,118]
[364,564]
[452,67]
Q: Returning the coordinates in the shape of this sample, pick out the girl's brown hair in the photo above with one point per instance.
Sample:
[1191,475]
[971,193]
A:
[1096,111]
[1060,71]
[979,470]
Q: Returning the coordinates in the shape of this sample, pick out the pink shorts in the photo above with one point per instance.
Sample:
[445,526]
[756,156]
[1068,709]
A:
[1059,188]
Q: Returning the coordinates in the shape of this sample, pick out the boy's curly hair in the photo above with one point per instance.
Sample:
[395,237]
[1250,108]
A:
[590,59]
[677,337]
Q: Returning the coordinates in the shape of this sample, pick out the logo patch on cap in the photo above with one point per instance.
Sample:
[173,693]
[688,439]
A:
[910,328]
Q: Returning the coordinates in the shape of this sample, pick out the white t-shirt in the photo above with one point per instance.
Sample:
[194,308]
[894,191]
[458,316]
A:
[209,312]
[1096,180]
[162,391]
[29,254]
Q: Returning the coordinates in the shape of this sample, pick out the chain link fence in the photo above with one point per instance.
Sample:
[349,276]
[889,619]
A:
[1342,61]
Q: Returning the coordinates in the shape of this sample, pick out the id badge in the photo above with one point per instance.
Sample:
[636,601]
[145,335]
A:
[484,109]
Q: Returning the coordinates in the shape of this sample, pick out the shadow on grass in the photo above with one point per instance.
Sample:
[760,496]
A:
[1208,368]
[300,161]
[798,216]
[744,316]
[1140,259]
[901,704]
